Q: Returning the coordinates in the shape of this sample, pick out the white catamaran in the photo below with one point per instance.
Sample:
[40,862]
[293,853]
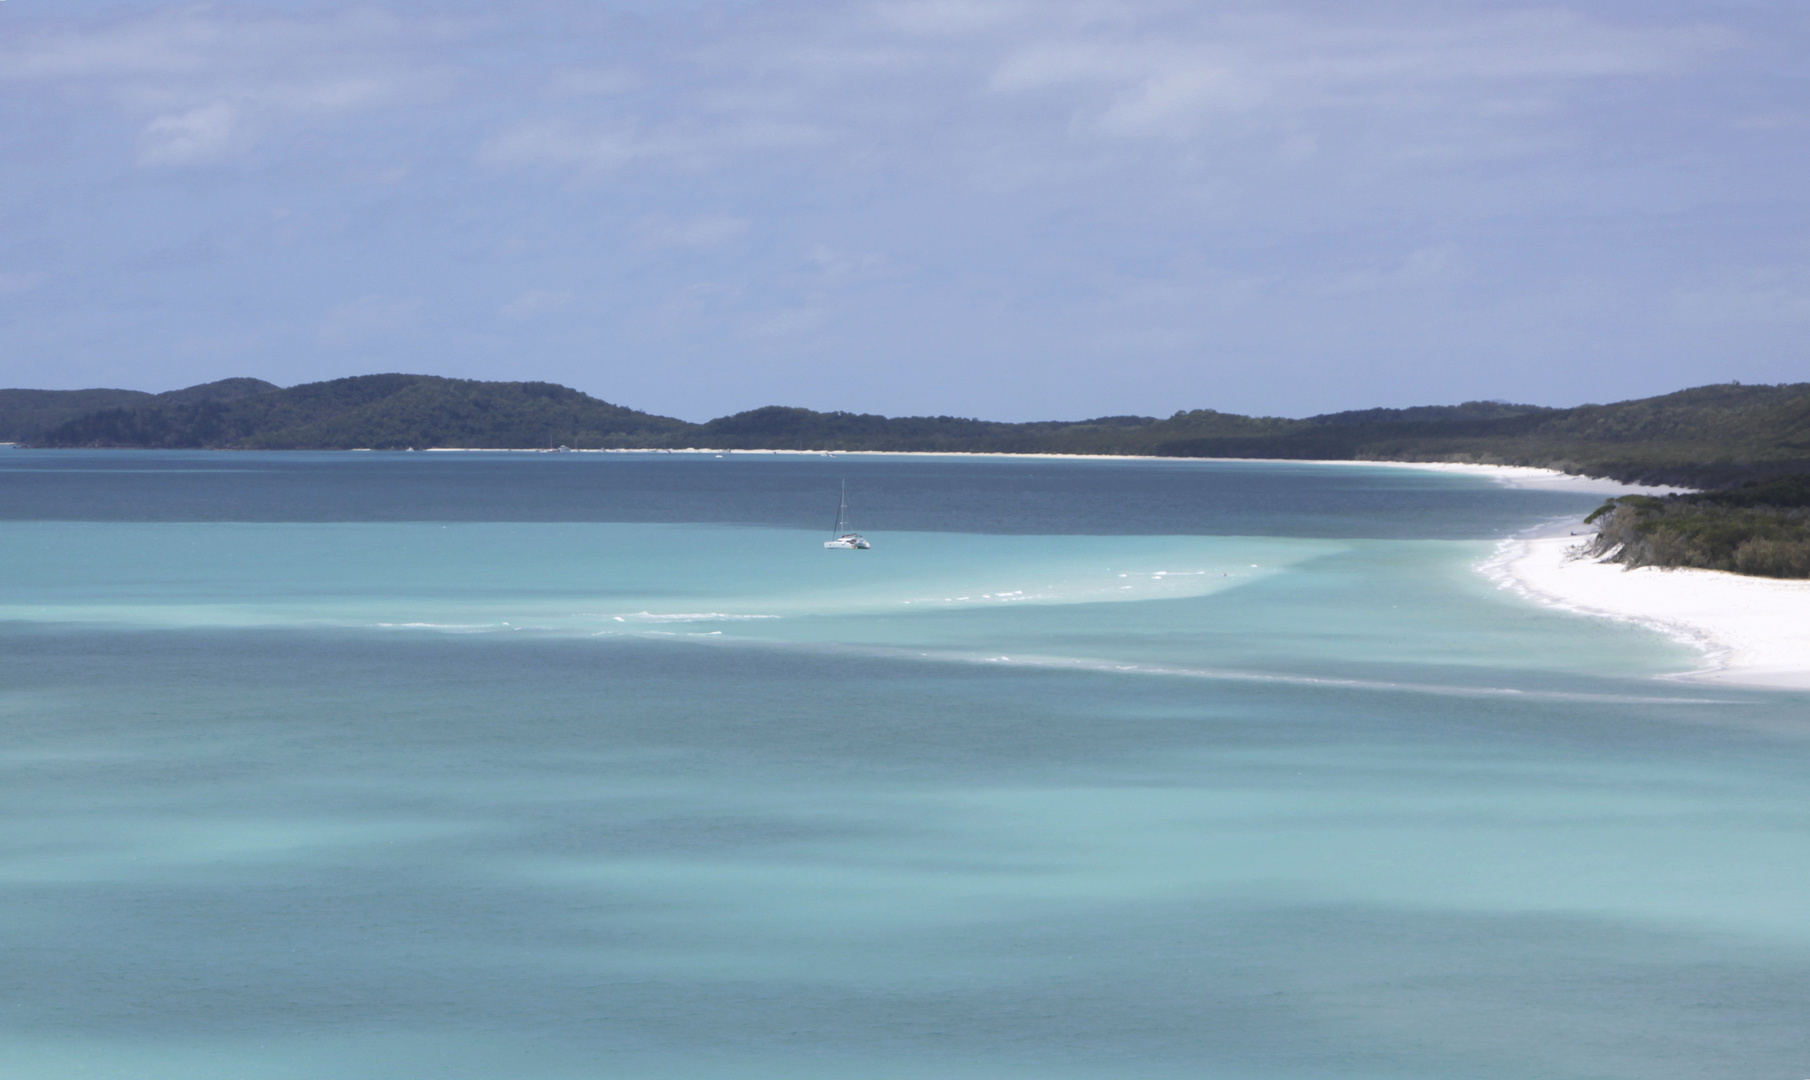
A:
[847,539]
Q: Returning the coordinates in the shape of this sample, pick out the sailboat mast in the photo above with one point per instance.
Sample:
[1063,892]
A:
[841,510]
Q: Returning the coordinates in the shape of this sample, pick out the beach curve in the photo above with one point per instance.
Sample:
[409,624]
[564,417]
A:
[1752,631]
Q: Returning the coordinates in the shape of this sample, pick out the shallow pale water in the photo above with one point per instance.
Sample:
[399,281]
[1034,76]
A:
[562,766]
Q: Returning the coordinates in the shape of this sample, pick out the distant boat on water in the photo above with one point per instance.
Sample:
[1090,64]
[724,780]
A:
[847,539]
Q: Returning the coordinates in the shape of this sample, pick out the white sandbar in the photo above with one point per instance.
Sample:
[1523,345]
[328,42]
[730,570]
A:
[1753,631]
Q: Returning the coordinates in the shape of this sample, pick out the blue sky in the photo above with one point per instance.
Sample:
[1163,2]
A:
[997,208]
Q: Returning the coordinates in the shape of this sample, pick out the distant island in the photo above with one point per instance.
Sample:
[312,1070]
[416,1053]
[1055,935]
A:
[1749,446]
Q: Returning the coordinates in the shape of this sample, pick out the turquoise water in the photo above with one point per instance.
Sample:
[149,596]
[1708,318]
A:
[563,766]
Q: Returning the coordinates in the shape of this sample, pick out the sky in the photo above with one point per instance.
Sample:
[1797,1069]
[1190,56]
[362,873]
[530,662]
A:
[999,208]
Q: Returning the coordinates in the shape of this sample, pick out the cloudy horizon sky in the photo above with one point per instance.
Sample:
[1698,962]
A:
[994,208]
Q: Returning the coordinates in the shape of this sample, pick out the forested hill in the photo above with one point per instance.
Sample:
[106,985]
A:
[27,414]
[383,412]
[1711,436]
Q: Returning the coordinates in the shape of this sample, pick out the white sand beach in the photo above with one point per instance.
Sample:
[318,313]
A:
[1753,631]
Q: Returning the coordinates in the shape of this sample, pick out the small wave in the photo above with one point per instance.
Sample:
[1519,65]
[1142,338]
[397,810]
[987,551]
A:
[1072,663]
[468,628]
[675,617]
[1085,664]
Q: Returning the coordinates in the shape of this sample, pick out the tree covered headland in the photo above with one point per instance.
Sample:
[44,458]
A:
[380,412]
[1712,437]
[1760,528]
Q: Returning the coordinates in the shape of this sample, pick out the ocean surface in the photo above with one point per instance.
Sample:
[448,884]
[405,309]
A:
[569,766]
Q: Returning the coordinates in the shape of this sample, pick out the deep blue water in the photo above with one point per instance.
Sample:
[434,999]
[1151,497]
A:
[562,766]
[929,494]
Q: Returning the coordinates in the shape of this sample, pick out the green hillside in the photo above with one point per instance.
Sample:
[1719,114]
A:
[376,411]
[1710,436]
[26,414]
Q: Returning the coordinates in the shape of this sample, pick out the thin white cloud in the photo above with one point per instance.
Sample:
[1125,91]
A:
[952,17]
[823,74]
[207,79]
[606,145]
[1171,79]
[186,138]
[863,83]
[369,318]
[786,325]
[564,143]
[843,267]
[592,82]
[1419,269]
[699,232]
[535,302]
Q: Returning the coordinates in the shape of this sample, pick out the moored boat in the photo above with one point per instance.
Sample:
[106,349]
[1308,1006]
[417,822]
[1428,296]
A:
[847,539]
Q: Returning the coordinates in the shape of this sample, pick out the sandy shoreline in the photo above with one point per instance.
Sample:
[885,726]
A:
[1752,631]
[1511,475]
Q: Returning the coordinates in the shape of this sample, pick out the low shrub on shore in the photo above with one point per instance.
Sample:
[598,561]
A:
[1760,529]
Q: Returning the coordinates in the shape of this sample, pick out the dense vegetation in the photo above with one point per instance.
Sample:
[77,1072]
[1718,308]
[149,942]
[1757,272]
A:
[380,412]
[26,415]
[1758,528]
[1711,436]
[1707,437]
